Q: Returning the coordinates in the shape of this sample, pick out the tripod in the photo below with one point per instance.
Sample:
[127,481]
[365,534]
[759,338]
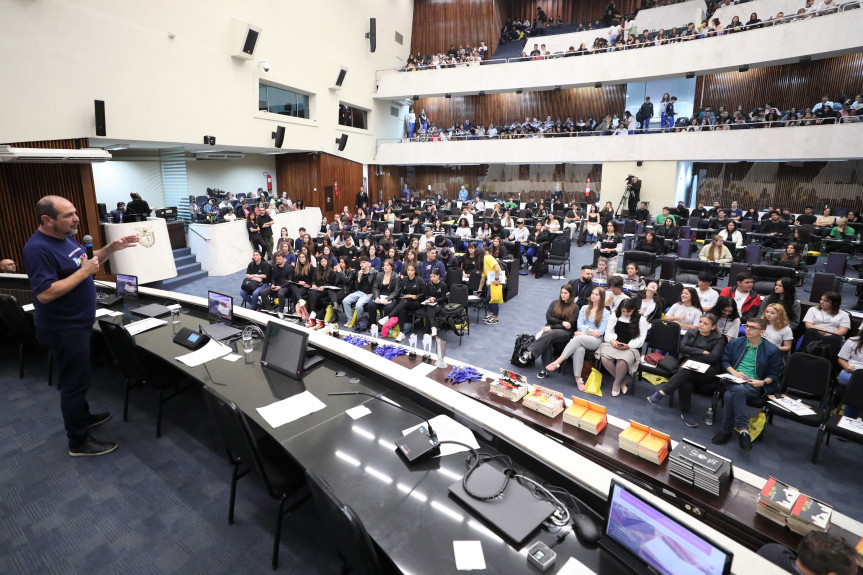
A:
[624,202]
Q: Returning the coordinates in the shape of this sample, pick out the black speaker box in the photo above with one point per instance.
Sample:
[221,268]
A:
[279,136]
[342,142]
[251,40]
[101,130]
[373,27]
[341,78]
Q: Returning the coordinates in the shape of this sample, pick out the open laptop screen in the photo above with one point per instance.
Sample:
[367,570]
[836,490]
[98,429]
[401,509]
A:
[655,542]
[127,285]
[221,306]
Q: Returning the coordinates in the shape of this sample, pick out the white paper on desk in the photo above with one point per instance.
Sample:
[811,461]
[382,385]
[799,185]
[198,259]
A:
[31,307]
[143,325]
[111,313]
[213,350]
[448,429]
[291,409]
[422,369]
[358,411]
[468,555]
[231,357]
[575,567]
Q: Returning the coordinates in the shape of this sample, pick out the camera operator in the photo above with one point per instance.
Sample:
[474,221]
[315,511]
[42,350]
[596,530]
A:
[633,186]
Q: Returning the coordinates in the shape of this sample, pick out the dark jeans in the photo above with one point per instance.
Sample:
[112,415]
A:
[71,349]
[280,293]
[683,382]
[735,414]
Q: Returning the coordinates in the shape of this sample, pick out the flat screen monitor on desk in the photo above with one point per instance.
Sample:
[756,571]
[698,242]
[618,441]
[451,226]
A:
[285,350]
[127,286]
[649,541]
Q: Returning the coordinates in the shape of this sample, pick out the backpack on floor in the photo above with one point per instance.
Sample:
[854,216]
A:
[362,324]
[453,316]
[539,269]
[522,342]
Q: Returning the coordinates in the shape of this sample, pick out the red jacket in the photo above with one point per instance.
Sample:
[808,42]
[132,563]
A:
[749,308]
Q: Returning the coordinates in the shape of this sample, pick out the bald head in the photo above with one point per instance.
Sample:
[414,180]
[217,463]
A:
[8,267]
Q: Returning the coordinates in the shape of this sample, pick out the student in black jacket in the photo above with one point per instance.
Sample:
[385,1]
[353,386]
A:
[560,320]
[704,345]
[413,293]
[302,282]
[258,270]
[385,292]
[322,276]
[278,285]
[437,292]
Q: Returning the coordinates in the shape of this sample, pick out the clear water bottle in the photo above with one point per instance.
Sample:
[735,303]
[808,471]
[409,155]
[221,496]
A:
[709,419]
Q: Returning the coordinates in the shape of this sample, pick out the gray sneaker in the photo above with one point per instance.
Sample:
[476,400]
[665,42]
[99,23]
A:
[91,447]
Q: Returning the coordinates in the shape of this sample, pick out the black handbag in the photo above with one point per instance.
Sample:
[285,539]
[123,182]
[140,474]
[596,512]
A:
[249,285]
[668,363]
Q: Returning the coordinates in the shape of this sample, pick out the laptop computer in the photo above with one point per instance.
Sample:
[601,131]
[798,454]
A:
[647,540]
[221,309]
[517,513]
[152,310]
[126,286]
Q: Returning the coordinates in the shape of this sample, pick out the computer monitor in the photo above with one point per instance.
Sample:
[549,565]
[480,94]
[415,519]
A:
[647,540]
[127,286]
[285,349]
[220,306]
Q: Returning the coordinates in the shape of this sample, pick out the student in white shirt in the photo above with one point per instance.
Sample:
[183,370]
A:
[621,351]
[729,317]
[778,331]
[687,311]
[615,294]
[706,294]
[850,360]
[828,317]
[730,234]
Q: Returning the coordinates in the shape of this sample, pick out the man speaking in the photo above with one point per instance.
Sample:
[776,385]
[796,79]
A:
[61,275]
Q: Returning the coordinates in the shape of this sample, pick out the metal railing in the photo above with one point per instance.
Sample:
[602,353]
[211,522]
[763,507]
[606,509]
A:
[683,37]
[639,131]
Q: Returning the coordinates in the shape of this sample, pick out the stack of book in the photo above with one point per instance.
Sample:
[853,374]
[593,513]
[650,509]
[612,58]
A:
[697,466]
[645,442]
[809,514]
[509,385]
[546,401]
[586,415]
[776,500]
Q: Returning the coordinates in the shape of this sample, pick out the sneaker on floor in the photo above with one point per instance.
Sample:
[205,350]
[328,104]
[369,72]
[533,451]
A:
[526,357]
[721,438]
[689,420]
[492,321]
[655,398]
[97,419]
[434,332]
[91,447]
[489,316]
[543,373]
[384,320]
[320,324]
[400,336]
[350,324]
[745,440]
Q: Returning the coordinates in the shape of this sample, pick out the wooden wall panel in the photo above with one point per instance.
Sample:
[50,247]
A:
[539,180]
[782,184]
[22,185]
[300,174]
[570,11]
[438,24]
[388,184]
[798,85]
[504,108]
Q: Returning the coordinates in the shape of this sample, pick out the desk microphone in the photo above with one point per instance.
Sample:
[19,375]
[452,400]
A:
[417,445]
[88,245]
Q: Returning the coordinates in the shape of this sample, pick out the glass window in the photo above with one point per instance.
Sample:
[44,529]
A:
[351,116]
[281,101]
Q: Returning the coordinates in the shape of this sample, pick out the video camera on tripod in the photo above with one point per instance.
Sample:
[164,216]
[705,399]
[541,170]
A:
[216,193]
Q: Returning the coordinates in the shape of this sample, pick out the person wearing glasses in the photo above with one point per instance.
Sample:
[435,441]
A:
[759,364]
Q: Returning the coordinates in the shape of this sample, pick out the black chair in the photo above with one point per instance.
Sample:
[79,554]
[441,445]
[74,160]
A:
[645,261]
[807,377]
[354,545]
[669,292]
[766,277]
[453,276]
[264,455]
[853,397]
[688,270]
[663,336]
[558,256]
[834,344]
[23,333]
[821,283]
[139,371]
[459,294]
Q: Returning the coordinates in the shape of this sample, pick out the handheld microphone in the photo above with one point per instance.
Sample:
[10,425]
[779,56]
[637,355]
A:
[417,445]
[88,245]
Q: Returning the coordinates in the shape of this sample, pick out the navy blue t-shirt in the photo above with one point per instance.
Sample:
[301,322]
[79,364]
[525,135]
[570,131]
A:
[48,260]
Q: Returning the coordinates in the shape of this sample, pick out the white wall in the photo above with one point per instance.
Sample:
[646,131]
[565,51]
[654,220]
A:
[658,181]
[114,181]
[780,144]
[822,37]
[176,90]
[235,176]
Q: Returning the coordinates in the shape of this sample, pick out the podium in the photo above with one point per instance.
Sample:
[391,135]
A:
[152,259]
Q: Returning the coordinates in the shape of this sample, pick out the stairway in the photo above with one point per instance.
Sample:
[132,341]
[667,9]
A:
[188,270]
